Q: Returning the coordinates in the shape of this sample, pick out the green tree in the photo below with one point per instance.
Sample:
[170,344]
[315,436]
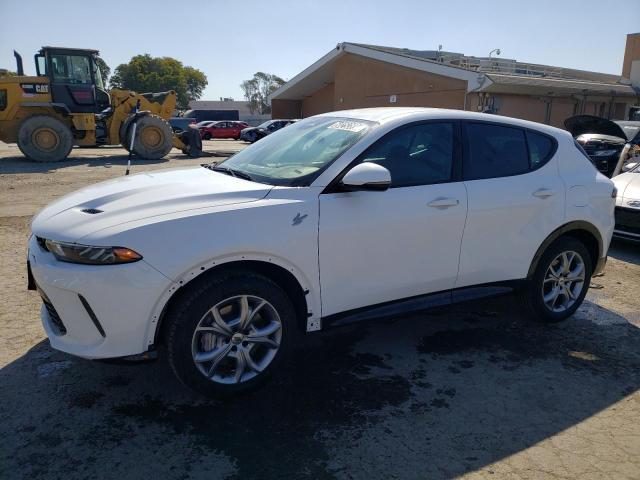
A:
[105,70]
[7,73]
[257,89]
[145,73]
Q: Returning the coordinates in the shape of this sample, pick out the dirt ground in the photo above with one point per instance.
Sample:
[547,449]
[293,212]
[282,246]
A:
[468,391]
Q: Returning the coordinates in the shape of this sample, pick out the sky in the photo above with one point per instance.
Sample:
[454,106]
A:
[230,41]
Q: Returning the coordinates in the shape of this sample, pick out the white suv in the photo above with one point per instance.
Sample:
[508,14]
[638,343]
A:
[341,217]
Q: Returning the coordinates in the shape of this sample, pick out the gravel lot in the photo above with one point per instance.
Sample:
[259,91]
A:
[471,390]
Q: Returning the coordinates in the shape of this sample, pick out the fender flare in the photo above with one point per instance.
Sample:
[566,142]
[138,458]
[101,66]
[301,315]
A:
[557,233]
[154,324]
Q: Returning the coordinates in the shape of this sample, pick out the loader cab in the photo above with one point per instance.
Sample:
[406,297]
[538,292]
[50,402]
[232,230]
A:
[74,77]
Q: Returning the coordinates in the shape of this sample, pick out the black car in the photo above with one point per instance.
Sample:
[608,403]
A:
[603,139]
[253,134]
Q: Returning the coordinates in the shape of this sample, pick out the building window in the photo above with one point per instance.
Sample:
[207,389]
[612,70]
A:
[3,99]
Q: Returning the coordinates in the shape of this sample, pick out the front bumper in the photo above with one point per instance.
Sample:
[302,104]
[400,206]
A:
[96,311]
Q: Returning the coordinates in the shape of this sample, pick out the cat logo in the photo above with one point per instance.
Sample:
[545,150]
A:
[37,88]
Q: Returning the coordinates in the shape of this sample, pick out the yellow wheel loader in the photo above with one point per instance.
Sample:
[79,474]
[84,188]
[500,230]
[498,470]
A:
[66,104]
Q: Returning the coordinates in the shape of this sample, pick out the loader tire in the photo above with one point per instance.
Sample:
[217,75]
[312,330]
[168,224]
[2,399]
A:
[124,127]
[154,137]
[45,139]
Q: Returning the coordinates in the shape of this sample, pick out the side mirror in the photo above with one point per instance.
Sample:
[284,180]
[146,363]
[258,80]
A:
[366,176]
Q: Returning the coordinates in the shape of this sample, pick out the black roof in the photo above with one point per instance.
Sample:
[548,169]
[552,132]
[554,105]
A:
[86,50]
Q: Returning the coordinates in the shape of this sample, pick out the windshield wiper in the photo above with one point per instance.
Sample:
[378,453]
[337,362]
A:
[228,171]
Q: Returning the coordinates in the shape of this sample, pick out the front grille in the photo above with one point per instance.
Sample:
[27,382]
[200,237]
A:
[55,319]
[628,220]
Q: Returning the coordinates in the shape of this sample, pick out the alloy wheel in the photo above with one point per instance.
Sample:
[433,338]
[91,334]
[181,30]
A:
[236,339]
[563,282]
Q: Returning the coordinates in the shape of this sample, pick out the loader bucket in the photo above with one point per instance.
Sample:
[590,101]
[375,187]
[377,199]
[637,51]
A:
[192,141]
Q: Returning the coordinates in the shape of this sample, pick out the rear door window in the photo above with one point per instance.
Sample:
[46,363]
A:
[494,151]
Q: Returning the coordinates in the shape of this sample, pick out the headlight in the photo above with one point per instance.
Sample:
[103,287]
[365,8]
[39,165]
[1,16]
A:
[604,153]
[74,253]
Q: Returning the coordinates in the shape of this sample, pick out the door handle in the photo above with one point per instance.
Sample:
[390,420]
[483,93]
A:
[543,193]
[443,202]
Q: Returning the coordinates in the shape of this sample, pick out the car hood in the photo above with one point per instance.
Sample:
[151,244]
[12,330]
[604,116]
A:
[631,130]
[141,196]
[628,185]
[581,124]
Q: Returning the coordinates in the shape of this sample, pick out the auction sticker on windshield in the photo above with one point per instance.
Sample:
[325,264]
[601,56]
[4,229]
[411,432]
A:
[348,126]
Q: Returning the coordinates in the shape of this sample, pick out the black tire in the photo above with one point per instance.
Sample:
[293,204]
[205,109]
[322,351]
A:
[122,132]
[154,137]
[45,139]
[206,136]
[532,294]
[185,314]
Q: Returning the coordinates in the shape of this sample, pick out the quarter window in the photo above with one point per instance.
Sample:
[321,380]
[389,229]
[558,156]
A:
[495,151]
[416,155]
[540,148]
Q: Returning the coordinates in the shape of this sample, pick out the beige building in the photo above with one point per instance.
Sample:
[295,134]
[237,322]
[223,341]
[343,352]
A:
[356,75]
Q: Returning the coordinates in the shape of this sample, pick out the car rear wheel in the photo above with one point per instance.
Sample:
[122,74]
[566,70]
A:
[560,281]
[229,333]
[206,136]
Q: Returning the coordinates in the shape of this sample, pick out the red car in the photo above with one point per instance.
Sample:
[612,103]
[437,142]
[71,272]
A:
[222,129]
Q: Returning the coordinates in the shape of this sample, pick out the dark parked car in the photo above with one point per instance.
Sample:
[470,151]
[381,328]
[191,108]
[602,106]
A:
[222,130]
[253,134]
[603,139]
[180,124]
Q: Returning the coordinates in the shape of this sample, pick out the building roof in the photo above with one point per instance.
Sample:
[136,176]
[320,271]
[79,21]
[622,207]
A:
[482,74]
[240,106]
[548,86]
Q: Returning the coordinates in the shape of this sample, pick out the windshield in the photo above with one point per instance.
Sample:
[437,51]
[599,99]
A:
[296,155]
[265,124]
[204,124]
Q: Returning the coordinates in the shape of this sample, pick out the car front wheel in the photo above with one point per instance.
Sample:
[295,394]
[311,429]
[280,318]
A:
[560,281]
[229,333]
